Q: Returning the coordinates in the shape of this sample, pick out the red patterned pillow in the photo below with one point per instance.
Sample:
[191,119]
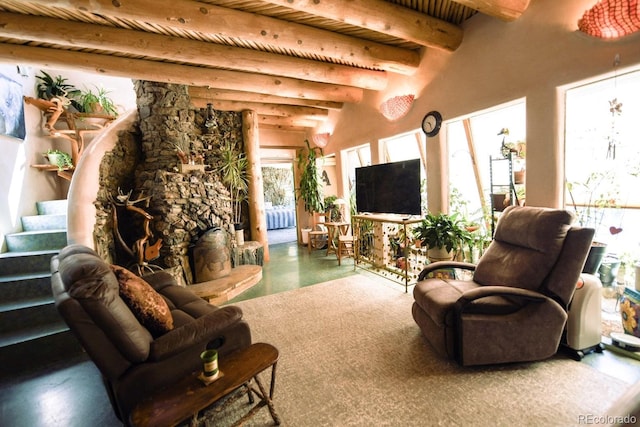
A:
[145,303]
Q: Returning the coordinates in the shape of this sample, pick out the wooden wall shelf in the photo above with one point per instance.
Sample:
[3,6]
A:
[71,126]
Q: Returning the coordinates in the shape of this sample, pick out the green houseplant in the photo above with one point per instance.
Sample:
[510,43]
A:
[310,190]
[233,171]
[59,158]
[49,87]
[600,193]
[97,102]
[442,233]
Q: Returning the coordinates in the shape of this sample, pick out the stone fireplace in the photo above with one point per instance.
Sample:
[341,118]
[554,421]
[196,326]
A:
[144,161]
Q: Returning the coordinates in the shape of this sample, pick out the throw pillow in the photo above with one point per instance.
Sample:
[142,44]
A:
[145,303]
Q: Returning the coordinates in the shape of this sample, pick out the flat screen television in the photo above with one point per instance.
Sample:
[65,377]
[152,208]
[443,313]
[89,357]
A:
[389,188]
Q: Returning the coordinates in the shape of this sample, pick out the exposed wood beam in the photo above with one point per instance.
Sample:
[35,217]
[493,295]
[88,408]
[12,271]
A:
[90,36]
[306,113]
[276,144]
[179,74]
[507,10]
[384,17]
[283,128]
[286,121]
[233,95]
[188,15]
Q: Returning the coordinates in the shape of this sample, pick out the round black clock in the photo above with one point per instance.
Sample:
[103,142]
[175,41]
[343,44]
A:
[431,123]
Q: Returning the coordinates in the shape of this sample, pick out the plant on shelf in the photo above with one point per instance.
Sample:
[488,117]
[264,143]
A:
[233,171]
[49,87]
[442,233]
[332,209]
[97,102]
[310,190]
[59,158]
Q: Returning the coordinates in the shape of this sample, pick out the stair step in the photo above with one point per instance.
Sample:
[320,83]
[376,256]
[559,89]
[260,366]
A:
[33,262]
[44,222]
[32,321]
[36,240]
[52,207]
[47,349]
[23,290]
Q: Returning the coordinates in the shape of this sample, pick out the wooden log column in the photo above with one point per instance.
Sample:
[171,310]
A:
[257,214]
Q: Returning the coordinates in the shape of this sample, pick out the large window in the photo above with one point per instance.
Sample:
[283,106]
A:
[409,146]
[471,142]
[602,153]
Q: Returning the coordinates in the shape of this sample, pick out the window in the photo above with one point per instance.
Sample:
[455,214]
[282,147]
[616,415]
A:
[357,157]
[409,146]
[601,159]
[476,137]
[406,146]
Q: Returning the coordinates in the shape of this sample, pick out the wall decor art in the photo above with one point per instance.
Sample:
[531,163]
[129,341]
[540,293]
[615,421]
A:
[11,108]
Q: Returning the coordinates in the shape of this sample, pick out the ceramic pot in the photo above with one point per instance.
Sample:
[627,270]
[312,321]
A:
[594,258]
[439,254]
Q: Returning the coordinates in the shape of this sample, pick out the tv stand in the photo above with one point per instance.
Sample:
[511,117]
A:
[384,245]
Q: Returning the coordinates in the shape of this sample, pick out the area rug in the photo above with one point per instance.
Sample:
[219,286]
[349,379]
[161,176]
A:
[351,355]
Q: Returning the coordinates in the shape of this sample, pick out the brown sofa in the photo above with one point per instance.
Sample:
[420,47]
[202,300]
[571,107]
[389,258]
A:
[515,307]
[133,360]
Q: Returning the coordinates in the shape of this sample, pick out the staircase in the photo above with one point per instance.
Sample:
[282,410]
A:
[31,331]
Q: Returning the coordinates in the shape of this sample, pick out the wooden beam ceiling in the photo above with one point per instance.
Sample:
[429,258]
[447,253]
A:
[290,111]
[289,60]
[180,74]
[507,10]
[207,19]
[89,36]
[386,18]
[211,94]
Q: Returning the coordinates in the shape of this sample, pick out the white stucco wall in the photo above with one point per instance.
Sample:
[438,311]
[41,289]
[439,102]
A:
[22,186]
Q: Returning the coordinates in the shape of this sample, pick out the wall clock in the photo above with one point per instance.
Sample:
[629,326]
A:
[431,123]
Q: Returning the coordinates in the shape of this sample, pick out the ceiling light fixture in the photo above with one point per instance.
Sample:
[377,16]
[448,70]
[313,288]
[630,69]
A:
[397,107]
[610,19]
[321,139]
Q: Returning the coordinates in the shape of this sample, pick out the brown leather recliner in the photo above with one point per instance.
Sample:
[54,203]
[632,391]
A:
[133,363]
[515,308]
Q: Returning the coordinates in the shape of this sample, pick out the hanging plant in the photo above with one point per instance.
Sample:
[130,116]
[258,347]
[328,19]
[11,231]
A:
[310,190]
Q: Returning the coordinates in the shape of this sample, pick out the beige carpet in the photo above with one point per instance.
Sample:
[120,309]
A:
[351,355]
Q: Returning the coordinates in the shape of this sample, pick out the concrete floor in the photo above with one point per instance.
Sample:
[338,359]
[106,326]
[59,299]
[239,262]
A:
[71,394]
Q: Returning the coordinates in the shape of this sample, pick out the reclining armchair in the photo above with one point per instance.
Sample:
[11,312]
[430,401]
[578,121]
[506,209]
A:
[135,360]
[515,307]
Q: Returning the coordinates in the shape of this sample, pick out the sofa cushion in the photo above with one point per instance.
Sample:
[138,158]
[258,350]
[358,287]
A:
[147,305]
[526,245]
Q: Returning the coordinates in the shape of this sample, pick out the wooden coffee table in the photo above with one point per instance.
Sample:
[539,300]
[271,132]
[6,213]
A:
[182,400]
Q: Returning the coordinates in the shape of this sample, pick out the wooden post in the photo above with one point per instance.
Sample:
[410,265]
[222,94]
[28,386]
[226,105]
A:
[472,152]
[257,214]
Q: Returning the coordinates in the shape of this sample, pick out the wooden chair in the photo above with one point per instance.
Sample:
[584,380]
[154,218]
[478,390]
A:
[345,245]
[319,235]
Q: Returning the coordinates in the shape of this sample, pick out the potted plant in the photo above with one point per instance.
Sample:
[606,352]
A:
[332,209]
[233,171]
[59,158]
[97,102]
[443,234]
[310,190]
[591,213]
[49,87]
